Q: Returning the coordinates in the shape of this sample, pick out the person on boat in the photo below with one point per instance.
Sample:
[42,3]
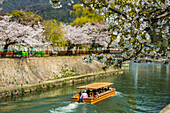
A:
[80,98]
[94,93]
[105,89]
[84,95]
[88,93]
[100,90]
[98,94]
[95,96]
[111,89]
[80,93]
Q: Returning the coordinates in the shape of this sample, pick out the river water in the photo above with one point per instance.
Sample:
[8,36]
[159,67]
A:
[144,87]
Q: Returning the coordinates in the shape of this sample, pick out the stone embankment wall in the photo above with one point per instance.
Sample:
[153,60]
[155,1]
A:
[34,70]
[63,82]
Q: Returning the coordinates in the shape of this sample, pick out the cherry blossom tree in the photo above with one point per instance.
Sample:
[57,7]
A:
[130,24]
[88,34]
[15,33]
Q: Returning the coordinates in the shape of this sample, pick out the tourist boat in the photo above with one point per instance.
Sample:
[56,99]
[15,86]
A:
[99,86]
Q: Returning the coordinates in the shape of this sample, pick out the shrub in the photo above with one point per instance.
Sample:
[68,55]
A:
[43,85]
[48,85]
[22,90]
[12,94]
[64,84]
[73,69]
[26,82]
[30,90]
[39,87]
[54,85]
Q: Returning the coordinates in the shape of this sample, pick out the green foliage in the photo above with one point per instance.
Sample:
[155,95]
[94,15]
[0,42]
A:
[22,90]
[48,85]
[84,15]
[39,87]
[104,68]
[26,18]
[73,69]
[43,85]
[26,82]
[84,47]
[73,82]
[54,33]
[12,93]
[30,90]
[64,84]
[54,85]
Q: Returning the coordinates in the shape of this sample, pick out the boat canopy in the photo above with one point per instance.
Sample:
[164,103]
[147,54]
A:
[96,85]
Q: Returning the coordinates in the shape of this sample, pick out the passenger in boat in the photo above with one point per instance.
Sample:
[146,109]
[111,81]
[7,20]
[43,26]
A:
[95,96]
[105,89]
[111,89]
[80,98]
[84,95]
[80,93]
[100,90]
[108,89]
[94,93]
[98,95]
[88,93]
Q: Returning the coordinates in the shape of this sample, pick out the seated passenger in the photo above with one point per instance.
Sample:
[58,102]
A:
[80,93]
[108,88]
[88,93]
[111,89]
[100,91]
[105,89]
[95,96]
[84,95]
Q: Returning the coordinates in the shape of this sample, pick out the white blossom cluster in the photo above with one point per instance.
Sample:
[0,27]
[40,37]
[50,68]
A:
[15,33]
[85,34]
[131,30]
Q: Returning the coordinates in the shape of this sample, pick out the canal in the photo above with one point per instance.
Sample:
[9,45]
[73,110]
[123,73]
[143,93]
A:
[144,87]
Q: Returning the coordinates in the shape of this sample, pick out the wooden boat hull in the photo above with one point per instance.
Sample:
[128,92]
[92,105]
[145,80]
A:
[93,100]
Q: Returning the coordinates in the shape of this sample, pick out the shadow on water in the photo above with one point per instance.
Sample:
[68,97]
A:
[143,88]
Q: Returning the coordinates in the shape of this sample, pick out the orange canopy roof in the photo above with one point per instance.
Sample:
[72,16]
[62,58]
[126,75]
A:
[96,85]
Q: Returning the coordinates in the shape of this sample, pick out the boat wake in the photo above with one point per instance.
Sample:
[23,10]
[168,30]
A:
[120,94]
[65,109]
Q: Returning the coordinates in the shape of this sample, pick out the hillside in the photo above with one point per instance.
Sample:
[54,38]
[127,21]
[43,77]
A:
[40,7]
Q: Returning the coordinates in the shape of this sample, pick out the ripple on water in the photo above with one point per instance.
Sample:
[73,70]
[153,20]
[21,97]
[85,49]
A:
[67,108]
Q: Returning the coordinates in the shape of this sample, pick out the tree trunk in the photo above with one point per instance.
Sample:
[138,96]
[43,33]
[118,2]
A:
[68,49]
[5,51]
